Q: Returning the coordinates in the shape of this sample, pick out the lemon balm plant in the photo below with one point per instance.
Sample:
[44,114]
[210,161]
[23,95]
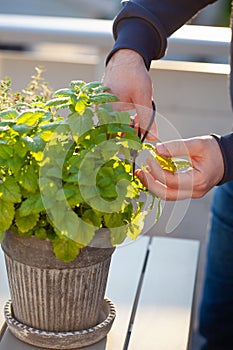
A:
[65,167]
[67,197]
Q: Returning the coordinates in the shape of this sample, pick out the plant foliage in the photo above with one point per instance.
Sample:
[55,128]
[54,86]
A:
[66,166]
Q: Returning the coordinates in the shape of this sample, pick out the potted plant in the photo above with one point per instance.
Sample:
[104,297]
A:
[67,198]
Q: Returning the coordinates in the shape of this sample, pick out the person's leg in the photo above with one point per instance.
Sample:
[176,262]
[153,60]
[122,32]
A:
[216,312]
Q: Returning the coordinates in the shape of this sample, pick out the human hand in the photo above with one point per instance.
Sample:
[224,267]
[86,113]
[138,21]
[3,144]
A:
[127,78]
[206,172]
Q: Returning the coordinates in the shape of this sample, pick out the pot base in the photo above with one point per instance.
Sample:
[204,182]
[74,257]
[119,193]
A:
[62,340]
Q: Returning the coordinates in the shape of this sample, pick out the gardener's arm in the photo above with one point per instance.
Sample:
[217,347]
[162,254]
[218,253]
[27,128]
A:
[141,30]
[212,164]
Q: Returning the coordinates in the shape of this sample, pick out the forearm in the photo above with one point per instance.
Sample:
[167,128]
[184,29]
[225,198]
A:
[145,25]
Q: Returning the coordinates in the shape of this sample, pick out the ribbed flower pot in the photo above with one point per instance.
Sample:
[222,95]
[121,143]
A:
[53,300]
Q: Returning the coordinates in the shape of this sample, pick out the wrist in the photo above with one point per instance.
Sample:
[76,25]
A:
[125,56]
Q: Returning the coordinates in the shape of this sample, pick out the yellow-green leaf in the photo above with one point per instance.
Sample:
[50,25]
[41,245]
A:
[10,191]
[26,223]
[136,226]
[7,212]
[65,249]
[41,233]
[28,179]
[31,205]
[166,163]
[30,117]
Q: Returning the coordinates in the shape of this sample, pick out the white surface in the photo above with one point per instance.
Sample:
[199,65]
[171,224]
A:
[163,316]
[122,286]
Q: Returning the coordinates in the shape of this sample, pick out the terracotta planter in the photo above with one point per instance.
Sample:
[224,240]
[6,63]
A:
[51,296]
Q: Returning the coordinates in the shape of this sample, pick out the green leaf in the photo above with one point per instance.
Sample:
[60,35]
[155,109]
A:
[85,232]
[109,192]
[48,187]
[40,233]
[103,97]
[76,85]
[114,128]
[6,151]
[6,123]
[63,194]
[10,191]
[58,102]
[21,128]
[92,217]
[34,144]
[80,124]
[113,220]
[31,205]
[104,116]
[51,125]
[65,249]
[123,118]
[28,178]
[182,164]
[72,194]
[7,212]
[159,210]
[20,149]
[93,85]
[8,114]
[130,144]
[109,149]
[127,189]
[16,163]
[54,171]
[26,223]
[65,92]
[69,225]
[118,234]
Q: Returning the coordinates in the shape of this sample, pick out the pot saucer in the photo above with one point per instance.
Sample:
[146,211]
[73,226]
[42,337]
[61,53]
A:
[62,340]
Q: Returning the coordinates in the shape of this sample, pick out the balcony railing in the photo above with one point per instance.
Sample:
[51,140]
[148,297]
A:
[210,44]
[191,82]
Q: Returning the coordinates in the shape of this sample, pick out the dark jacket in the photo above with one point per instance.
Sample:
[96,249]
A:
[145,25]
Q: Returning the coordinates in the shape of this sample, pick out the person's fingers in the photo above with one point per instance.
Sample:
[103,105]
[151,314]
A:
[144,115]
[160,189]
[184,147]
[184,180]
[207,169]
[142,119]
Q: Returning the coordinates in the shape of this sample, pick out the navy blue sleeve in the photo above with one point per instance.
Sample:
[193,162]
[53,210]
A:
[145,25]
[226,146]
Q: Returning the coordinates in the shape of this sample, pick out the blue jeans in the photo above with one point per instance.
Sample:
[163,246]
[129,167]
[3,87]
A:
[216,313]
